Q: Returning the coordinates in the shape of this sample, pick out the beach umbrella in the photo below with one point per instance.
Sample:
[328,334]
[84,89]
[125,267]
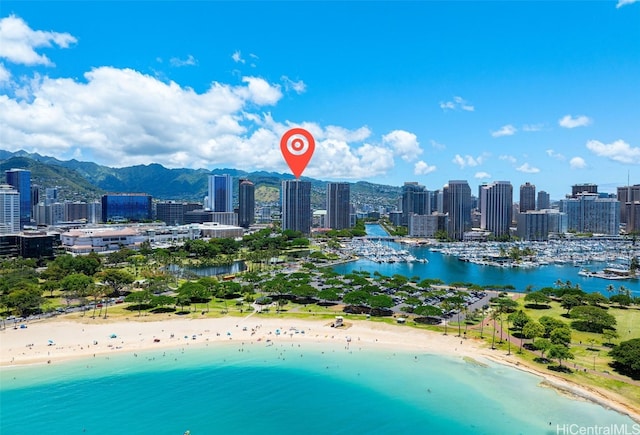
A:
[113,336]
[51,343]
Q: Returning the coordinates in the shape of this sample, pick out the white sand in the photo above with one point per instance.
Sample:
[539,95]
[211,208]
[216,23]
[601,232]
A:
[55,340]
[77,339]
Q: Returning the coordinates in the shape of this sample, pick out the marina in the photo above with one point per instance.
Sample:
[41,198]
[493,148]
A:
[380,253]
[554,262]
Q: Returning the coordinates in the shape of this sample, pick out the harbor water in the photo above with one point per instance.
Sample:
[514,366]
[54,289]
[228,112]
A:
[450,269]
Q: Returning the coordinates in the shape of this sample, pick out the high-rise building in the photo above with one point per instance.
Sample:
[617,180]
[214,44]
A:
[170,212]
[220,193]
[527,197]
[438,198]
[537,225]
[588,213]
[9,210]
[246,203]
[458,203]
[496,211]
[296,205]
[57,213]
[76,211]
[628,195]
[338,206]
[414,201]
[633,217]
[445,200]
[20,179]
[94,212]
[480,187]
[427,225]
[50,195]
[126,207]
[578,189]
[35,197]
[544,201]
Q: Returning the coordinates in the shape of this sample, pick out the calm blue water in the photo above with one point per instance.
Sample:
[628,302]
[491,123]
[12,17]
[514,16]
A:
[284,390]
[450,269]
[235,267]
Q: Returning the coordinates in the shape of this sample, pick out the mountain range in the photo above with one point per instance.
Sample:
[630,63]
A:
[86,181]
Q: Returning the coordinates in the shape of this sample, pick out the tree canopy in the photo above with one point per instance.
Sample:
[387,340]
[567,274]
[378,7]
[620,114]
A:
[593,319]
[627,356]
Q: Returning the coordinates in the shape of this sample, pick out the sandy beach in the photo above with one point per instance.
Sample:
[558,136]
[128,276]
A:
[56,340]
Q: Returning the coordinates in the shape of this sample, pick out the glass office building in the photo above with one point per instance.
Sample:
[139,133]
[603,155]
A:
[122,207]
[20,179]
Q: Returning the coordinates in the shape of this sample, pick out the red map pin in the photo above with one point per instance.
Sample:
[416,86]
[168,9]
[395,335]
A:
[297,146]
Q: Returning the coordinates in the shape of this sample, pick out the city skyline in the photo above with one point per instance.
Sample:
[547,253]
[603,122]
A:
[527,93]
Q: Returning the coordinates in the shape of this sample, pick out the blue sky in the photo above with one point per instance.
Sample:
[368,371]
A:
[545,92]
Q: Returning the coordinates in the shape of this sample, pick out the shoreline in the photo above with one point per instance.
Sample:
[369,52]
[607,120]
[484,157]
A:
[58,340]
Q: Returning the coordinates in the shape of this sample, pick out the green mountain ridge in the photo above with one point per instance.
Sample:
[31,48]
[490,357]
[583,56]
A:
[78,180]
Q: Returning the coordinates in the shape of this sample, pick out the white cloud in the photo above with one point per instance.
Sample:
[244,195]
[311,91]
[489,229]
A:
[448,105]
[618,151]
[18,42]
[508,158]
[467,160]
[260,91]
[189,61]
[532,127]
[404,144]
[568,121]
[458,103]
[505,130]
[527,169]
[423,168]
[5,75]
[333,132]
[577,163]
[337,159]
[237,57]
[624,3]
[555,155]
[120,117]
[482,175]
[437,145]
[298,87]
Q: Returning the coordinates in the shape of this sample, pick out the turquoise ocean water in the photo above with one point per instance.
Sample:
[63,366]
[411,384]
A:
[284,389]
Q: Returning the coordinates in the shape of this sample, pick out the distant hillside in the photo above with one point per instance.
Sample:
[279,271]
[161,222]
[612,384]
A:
[71,185]
[87,180]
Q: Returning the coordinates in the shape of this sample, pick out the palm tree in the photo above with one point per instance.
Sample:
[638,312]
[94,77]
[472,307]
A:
[508,335]
[495,315]
[446,307]
[457,303]
[465,310]
[610,288]
[95,291]
[482,321]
